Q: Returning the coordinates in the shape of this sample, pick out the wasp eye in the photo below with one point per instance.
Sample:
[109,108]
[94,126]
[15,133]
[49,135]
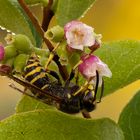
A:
[89,106]
[88,101]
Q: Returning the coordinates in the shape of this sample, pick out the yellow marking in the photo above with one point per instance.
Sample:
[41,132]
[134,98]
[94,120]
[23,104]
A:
[41,75]
[38,69]
[31,65]
[90,87]
[69,96]
[93,93]
[86,92]
[49,60]
[77,64]
[82,88]
[45,86]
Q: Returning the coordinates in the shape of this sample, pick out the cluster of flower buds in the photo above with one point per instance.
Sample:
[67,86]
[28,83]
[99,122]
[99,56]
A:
[16,53]
[80,36]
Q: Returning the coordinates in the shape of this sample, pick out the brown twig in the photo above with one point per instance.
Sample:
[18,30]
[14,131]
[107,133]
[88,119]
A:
[47,15]
[35,23]
[62,69]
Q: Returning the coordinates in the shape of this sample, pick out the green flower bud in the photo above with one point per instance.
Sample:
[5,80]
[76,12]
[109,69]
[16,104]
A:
[22,43]
[20,62]
[9,62]
[55,34]
[10,51]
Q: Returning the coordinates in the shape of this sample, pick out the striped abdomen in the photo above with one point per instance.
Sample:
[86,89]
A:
[35,74]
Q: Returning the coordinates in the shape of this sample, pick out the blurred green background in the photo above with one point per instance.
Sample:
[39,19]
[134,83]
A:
[115,20]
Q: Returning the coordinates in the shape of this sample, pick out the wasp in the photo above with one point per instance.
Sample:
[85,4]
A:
[68,97]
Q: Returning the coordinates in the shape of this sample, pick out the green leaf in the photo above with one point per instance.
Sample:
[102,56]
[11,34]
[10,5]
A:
[129,119]
[68,10]
[123,58]
[13,18]
[28,104]
[52,125]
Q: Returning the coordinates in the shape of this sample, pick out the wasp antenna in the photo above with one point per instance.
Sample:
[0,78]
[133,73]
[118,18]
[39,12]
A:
[15,88]
[102,91]
[96,86]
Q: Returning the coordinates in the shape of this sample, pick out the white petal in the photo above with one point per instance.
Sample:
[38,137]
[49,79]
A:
[104,69]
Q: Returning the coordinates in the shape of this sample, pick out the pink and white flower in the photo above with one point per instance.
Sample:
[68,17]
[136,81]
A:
[1,52]
[79,35]
[90,65]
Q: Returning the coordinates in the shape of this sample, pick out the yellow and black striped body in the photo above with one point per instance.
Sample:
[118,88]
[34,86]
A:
[35,74]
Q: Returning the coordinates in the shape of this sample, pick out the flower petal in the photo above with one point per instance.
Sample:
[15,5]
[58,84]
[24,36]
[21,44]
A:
[79,34]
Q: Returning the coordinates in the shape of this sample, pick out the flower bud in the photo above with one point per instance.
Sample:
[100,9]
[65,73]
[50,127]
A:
[20,62]
[2,52]
[22,43]
[79,35]
[10,51]
[9,62]
[55,34]
[97,43]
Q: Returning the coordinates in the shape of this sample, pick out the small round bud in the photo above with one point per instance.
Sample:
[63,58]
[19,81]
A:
[10,51]
[22,43]
[20,62]
[97,43]
[9,62]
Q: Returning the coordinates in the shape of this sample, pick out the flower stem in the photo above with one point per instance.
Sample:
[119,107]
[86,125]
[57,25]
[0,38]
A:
[47,15]
[62,69]
[86,114]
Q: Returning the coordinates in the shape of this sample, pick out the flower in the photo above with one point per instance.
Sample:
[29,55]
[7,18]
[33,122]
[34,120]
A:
[79,35]
[90,65]
[1,52]
[97,43]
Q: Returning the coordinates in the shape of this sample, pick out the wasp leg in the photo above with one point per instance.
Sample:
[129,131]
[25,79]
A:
[14,87]
[25,93]
[77,78]
[34,88]
[83,88]
[72,74]
[54,74]
[51,56]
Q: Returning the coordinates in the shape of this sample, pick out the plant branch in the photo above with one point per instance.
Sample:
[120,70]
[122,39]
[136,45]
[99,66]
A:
[62,69]
[35,23]
[47,15]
